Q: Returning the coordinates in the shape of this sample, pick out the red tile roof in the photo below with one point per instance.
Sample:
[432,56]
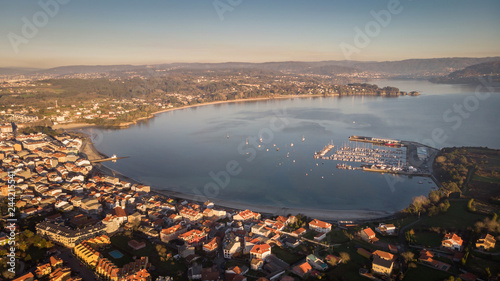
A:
[368,231]
[320,224]
[260,249]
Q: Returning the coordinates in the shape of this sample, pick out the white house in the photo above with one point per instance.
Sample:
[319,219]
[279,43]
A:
[320,226]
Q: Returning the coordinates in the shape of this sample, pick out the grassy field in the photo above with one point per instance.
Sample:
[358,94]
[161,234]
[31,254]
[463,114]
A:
[399,223]
[485,183]
[480,264]
[350,270]
[310,235]
[456,217]
[336,236]
[286,255]
[425,273]
[428,239]
[485,179]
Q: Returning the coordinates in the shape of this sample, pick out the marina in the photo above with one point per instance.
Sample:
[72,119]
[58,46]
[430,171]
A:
[391,159]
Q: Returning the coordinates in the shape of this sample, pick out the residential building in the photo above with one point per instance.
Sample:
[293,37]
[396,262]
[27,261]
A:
[260,251]
[368,235]
[246,215]
[172,233]
[231,245]
[302,269]
[486,242]
[194,237]
[451,241]
[320,226]
[68,237]
[191,215]
[386,229]
[211,245]
[316,262]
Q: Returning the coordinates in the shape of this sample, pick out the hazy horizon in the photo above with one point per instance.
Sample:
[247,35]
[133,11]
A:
[51,33]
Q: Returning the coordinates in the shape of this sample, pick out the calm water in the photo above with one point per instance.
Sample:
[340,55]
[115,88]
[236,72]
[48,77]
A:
[178,150]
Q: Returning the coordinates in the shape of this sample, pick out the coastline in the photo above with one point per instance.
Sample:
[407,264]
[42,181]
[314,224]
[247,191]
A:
[329,215]
[80,125]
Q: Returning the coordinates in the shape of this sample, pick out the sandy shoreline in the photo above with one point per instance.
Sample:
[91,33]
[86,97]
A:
[72,126]
[329,215]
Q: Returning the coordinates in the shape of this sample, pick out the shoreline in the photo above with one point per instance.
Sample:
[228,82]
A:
[81,125]
[324,214]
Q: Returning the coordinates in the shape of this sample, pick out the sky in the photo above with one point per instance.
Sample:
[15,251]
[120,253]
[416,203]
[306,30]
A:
[49,33]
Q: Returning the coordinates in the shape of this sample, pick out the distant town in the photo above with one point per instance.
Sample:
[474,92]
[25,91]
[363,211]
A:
[119,102]
[65,219]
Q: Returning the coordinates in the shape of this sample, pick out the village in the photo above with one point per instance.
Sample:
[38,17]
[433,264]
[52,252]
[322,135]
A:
[93,226]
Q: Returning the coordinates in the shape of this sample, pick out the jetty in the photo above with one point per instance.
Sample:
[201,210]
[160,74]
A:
[113,158]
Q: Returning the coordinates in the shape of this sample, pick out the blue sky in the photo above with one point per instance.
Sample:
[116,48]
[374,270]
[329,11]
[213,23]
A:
[149,32]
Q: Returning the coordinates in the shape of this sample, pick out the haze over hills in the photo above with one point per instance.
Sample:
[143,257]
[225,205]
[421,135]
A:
[412,68]
[472,73]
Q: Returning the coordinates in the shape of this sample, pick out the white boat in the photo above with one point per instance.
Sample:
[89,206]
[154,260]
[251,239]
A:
[303,138]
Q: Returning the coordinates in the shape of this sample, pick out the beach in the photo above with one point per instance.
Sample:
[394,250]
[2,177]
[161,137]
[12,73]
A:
[79,125]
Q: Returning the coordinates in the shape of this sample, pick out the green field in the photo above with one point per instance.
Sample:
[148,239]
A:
[428,239]
[336,236]
[399,223]
[485,179]
[425,273]
[286,255]
[456,217]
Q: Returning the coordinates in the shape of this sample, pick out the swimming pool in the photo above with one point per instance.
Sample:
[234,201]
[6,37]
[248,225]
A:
[116,254]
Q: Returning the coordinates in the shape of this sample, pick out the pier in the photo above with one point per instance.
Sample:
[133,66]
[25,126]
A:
[377,141]
[114,158]
[321,154]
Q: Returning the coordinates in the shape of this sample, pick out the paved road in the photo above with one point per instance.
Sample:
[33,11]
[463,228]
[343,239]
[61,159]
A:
[71,261]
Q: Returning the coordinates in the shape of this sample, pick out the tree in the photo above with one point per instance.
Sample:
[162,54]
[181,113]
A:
[408,256]
[49,244]
[434,196]
[410,236]
[345,257]
[469,205]
[8,275]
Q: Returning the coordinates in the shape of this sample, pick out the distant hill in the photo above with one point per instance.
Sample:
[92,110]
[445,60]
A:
[471,73]
[16,70]
[412,68]
[417,68]
[74,69]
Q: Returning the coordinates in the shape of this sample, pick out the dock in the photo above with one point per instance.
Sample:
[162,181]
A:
[377,141]
[322,153]
[108,159]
